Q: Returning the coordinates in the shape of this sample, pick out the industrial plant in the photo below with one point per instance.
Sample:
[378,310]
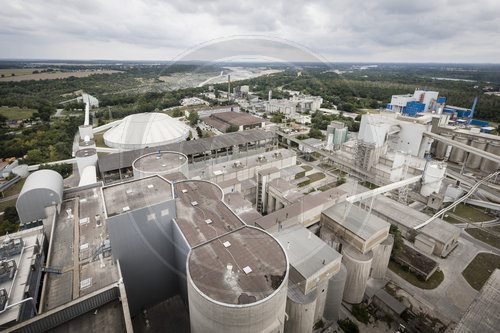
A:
[252,231]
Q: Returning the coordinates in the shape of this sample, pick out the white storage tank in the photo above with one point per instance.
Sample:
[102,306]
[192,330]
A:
[487,165]
[358,270]
[84,158]
[300,309]
[433,177]
[21,170]
[333,302]
[381,256]
[160,163]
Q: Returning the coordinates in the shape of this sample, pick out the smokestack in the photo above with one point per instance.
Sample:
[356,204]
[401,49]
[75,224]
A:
[228,87]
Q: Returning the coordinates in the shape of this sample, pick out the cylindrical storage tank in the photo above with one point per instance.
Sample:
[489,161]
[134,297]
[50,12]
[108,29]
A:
[85,157]
[474,161]
[433,177]
[381,256]
[457,154]
[300,310]
[441,146]
[21,170]
[333,302]
[87,144]
[249,294]
[322,289]
[85,131]
[160,163]
[358,270]
[487,165]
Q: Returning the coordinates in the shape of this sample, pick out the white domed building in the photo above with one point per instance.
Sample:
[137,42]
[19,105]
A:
[143,130]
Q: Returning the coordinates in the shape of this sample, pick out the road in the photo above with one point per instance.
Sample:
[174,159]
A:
[9,198]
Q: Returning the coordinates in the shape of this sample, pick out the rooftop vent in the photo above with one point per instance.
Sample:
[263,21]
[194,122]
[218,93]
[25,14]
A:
[247,270]
[85,220]
[85,283]
[226,244]
[151,186]
[208,221]
[184,191]
[126,208]
[194,203]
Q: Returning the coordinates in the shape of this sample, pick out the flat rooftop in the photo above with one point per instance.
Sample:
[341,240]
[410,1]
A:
[358,221]
[247,249]
[136,194]
[193,147]
[201,215]
[238,118]
[438,229]
[308,203]
[159,163]
[307,253]
[17,285]
[79,231]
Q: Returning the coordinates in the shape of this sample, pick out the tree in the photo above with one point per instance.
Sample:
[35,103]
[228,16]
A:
[193,118]
[315,133]
[10,214]
[232,128]
[3,119]
[398,240]
[199,132]
[340,180]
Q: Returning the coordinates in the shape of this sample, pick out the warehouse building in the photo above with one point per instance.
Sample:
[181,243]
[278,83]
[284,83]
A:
[222,121]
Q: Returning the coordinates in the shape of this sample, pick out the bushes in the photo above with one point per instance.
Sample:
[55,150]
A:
[361,313]
[348,326]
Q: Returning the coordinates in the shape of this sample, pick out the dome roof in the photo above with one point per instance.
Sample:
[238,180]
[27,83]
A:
[146,130]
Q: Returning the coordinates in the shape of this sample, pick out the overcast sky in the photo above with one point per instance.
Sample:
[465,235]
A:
[350,30]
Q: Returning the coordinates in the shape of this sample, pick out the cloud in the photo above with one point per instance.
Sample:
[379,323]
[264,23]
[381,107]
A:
[356,30]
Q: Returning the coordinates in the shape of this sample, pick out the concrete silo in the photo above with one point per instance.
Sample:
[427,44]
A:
[300,309]
[333,302]
[160,163]
[487,165]
[238,283]
[381,256]
[457,154]
[358,270]
[442,147]
[474,161]
[85,157]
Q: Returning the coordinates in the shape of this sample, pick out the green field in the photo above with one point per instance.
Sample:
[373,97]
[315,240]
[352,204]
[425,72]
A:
[485,236]
[16,113]
[480,269]
[99,140]
[17,71]
[470,213]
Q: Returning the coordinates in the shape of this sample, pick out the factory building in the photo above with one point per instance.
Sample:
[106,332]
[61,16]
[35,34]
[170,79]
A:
[113,167]
[357,235]
[23,256]
[221,121]
[207,112]
[420,101]
[336,135]
[143,130]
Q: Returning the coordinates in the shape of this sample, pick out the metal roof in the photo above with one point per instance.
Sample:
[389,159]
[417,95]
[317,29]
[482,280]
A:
[125,159]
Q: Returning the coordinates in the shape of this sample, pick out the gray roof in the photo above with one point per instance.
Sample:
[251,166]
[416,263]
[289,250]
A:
[390,301]
[358,220]
[43,188]
[125,159]
[482,315]
[307,253]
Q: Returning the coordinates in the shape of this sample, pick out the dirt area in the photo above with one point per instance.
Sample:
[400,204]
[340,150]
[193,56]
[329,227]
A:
[52,76]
